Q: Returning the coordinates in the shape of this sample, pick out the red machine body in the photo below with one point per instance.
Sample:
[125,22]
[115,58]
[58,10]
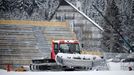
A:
[64,46]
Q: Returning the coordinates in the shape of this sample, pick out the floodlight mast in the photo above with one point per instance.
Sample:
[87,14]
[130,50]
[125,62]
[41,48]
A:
[89,19]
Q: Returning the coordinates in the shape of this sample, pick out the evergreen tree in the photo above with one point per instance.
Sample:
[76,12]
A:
[111,40]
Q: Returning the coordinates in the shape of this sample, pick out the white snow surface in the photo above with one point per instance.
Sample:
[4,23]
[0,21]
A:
[119,66]
[70,73]
[114,66]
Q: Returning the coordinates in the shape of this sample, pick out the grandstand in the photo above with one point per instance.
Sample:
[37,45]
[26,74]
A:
[21,41]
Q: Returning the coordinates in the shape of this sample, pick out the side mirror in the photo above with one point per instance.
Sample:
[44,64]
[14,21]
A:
[82,45]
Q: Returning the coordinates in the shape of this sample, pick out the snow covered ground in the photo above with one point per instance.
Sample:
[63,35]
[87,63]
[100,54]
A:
[70,73]
[114,70]
[120,66]
[114,66]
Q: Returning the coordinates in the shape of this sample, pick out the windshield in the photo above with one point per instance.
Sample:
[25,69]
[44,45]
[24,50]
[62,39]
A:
[69,48]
